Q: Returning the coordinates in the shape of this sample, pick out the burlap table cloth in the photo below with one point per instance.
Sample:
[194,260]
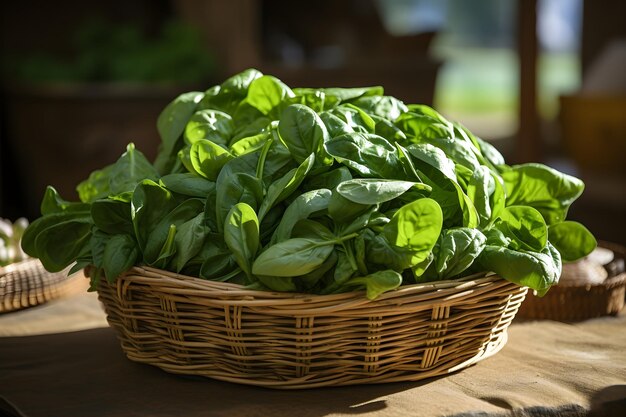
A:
[546,369]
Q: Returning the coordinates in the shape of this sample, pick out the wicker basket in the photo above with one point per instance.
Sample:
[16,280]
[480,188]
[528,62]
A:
[190,326]
[571,303]
[27,284]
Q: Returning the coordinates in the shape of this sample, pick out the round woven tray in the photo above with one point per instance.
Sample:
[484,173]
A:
[27,284]
[571,303]
[190,326]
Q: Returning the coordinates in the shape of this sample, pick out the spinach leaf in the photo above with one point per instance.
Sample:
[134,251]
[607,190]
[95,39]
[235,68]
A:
[293,257]
[349,94]
[330,179]
[250,129]
[310,282]
[489,152]
[236,182]
[381,253]
[572,240]
[496,238]
[388,130]
[120,254]
[536,270]
[267,93]
[97,242]
[303,133]
[283,284]
[52,202]
[458,207]
[171,125]
[414,229]
[120,177]
[387,107]
[208,158]
[357,223]
[355,117]
[59,239]
[161,234]
[283,187]
[376,191]
[228,95]
[334,125]
[302,207]
[369,155]
[541,187]
[307,228]
[188,184]
[112,216]
[233,189]
[344,268]
[276,163]
[434,157]
[487,194]
[456,250]
[150,203]
[189,240]
[376,283]
[524,226]
[241,234]
[422,129]
[238,84]
[424,110]
[462,152]
[344,211]
[247,115]
[215,259]
[407,163]
[315,99]
[250,144]
[212,125]
[168,249]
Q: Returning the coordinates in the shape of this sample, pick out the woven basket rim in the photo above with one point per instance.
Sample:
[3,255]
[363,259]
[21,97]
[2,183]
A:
[611,282]
[229,290]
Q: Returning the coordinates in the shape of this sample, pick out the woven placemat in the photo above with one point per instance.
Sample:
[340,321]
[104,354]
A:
[27,284]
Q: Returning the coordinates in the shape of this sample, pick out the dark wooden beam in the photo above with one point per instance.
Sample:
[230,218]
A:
[528,145]
[231,28]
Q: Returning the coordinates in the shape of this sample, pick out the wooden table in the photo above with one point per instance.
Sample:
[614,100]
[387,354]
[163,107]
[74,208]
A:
[546,369]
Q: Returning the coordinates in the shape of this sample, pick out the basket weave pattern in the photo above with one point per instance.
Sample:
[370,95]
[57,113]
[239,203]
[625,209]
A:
[578,302]
[27,284]
[220,330]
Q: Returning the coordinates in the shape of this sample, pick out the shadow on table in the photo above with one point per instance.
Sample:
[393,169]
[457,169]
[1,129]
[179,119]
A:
[609,402]
[86,374]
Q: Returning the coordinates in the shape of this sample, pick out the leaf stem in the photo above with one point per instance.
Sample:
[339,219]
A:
[350,256]
[261,164]
[346,237]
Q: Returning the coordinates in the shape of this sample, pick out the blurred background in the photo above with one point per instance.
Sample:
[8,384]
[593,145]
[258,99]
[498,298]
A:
[542,80]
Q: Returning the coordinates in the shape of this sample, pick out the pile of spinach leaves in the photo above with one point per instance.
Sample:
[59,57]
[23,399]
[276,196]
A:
[314,190]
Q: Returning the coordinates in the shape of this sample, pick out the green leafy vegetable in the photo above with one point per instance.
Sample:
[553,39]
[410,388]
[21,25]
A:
[456,250]
[313,190]
[293,257]
[541,187]
[171,125]
[241,234]
[572,240]
[209,124]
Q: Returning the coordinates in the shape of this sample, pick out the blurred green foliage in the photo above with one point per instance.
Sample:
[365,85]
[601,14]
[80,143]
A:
[106,52]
